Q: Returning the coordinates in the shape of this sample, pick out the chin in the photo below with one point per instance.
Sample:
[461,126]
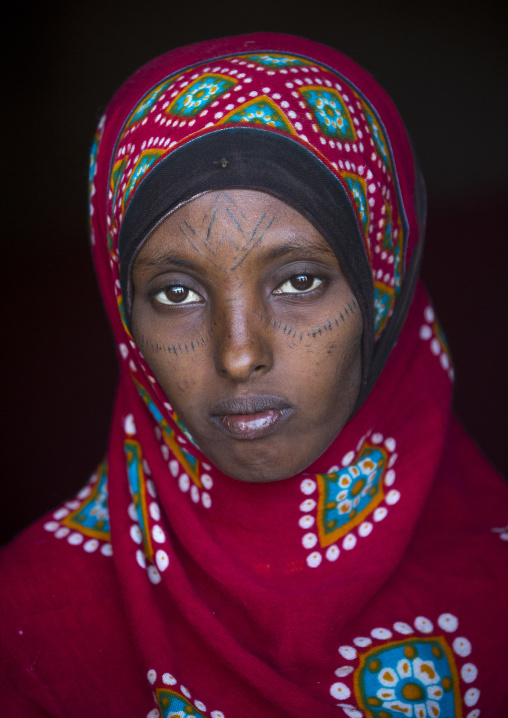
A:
[261,469]
[258,475]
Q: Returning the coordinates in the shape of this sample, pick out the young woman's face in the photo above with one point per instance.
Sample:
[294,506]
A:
[249,325]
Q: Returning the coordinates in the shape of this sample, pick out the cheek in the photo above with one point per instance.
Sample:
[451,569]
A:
[177,358]
[180,375]
[331,375]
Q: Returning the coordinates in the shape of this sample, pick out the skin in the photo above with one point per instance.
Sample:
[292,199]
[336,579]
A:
[238,298]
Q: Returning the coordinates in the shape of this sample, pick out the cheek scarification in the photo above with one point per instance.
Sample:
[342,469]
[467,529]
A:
[295,332]
[149,346]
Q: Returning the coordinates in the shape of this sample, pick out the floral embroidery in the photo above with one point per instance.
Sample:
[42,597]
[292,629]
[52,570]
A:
[276,61]
[420,683]
[146,160]
[331,113]
[84,521]
[378,137]
[199,94]
[144,511]
[138,490]
[173,703]
[117,174]
[189,462]
[92,171]
[260,111]
[147,103]
[415,674]
[346,497]
[383,302]
[358,189]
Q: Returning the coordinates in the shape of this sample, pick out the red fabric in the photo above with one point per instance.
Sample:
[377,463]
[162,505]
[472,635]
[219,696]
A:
[166,588]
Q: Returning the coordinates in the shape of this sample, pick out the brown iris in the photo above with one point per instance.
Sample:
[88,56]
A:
[302,282]
[176,293]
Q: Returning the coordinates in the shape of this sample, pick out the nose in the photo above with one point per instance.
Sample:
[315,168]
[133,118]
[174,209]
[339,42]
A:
[242,347]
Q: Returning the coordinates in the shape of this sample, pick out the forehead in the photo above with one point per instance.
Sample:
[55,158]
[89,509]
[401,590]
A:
[234,225]
[243,205]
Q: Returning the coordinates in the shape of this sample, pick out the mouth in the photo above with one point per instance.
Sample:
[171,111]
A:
[252,417]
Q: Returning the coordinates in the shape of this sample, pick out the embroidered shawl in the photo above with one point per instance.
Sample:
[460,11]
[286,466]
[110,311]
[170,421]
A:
[373,583]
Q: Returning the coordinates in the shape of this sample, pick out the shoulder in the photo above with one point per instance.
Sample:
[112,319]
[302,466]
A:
[62,619]
[465,520]
[49,564]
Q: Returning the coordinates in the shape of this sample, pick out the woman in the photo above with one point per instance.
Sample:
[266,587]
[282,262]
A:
[288,521]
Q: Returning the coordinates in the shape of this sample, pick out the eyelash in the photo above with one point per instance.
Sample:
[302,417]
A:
[162,298]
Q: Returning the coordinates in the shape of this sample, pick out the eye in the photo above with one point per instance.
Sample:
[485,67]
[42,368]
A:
[176,294]
[299,283]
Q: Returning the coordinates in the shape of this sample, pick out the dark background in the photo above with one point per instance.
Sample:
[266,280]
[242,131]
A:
[444,64]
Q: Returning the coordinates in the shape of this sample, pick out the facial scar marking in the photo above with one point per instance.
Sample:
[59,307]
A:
[190,227]
[199,251]
[258,240]
[231,201]
[188,238]
[232,217]
[210,228]
[257,226]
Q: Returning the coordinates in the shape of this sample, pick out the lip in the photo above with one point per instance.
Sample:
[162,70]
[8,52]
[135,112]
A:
[251,417]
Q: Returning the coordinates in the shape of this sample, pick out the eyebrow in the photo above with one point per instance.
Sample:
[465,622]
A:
[162,259]
[296,245]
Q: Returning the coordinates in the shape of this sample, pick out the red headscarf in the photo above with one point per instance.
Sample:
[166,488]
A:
[366,586]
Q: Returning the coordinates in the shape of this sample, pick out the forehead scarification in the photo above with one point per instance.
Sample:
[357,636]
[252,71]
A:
[220,223]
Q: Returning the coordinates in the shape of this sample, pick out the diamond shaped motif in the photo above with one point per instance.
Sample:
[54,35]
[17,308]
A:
[199,94]
[330,112]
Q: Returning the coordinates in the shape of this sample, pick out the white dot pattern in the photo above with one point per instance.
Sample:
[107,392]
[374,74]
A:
[348,470]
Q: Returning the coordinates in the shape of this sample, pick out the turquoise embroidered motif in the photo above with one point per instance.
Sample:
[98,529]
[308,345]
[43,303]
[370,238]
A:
[147,103]
[147,158]
[117,174]
[138,492]
[378,137]
[187,461]
[383,300]
[174,704]
[260,111]
[92,517]
[349,495]
[415,677]
[330,112]
[276,62]
[358,190]
[199,94]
